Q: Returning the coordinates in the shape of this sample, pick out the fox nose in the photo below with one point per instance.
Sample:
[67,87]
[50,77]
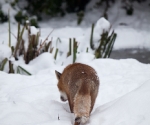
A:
[78,119]
[62,98]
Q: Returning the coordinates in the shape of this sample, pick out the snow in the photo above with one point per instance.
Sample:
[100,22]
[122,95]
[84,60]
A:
[123,96]
[5,51]
[133,38]
[102,26]
[124,93]
[85,57]
[7,8]
[127,109]
[34,30]
[44,61]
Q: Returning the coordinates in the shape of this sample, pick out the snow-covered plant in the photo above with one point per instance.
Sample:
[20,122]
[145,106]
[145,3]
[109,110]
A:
[75,47]
[22,17]
[29,46]
[103,40]
[72,51]
[28,43]
[106,44]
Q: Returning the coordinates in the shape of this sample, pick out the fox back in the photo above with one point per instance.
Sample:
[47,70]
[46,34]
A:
[79,84]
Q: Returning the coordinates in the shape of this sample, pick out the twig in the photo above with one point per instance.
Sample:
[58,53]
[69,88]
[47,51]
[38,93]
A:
[13,35]
[9,41]
[55,56]
[44,42]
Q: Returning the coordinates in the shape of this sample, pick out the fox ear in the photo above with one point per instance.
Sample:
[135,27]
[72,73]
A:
[58,74]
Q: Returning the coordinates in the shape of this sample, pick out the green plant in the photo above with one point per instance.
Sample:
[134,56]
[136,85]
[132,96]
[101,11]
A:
[9,29]
[33,47]
[21,18]
[75,47]
[48,7]
[2,64]
[91,38]
[47,46]
[70,46]
[28,53]
[80,17]
[33,22]
[56,52]
[106,43]
[20,69]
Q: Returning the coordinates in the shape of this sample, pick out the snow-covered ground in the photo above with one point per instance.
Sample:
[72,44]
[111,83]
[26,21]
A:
[124,93]
[123,99]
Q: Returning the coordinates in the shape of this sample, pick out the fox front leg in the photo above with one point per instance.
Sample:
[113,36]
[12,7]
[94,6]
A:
[70,105]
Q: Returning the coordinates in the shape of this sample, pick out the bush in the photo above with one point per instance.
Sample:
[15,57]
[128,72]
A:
[51,8]
[21,18]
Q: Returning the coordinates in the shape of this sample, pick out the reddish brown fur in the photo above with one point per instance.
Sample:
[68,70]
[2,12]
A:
[80,83]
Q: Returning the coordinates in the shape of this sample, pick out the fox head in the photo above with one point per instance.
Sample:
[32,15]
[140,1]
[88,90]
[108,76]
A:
[63,95]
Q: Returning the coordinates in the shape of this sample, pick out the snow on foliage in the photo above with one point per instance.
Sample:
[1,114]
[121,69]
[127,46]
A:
[101,26]
[60,43]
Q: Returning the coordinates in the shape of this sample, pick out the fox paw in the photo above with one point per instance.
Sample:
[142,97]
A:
[82,119]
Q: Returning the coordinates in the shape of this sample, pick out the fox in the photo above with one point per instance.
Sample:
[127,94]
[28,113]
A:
[79,84]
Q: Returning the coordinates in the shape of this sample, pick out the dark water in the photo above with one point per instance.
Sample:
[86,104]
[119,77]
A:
[141,55]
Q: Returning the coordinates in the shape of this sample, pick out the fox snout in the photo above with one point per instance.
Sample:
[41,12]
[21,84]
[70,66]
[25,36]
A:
[63,99]
[63,96]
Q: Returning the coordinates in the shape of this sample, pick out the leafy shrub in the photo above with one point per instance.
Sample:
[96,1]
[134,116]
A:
[21,18]
[48,7]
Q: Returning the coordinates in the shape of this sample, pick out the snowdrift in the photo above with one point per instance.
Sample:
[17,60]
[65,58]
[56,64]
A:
[123,99]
